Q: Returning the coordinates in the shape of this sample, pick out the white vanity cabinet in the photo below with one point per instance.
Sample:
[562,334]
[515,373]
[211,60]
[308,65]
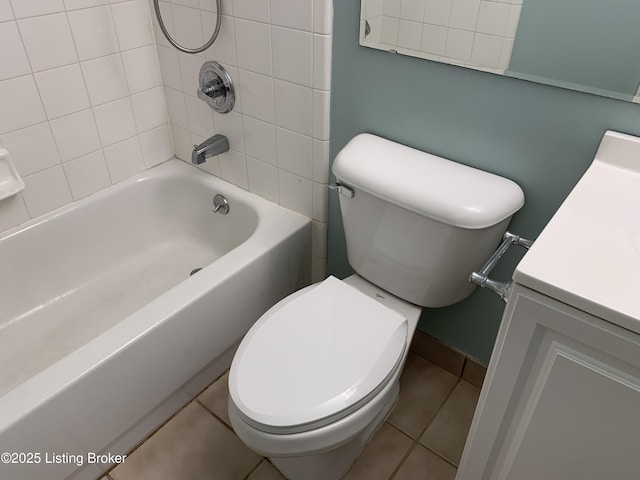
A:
[561,400]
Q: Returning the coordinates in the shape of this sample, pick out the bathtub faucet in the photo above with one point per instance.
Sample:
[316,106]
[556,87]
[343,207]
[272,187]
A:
[212,146]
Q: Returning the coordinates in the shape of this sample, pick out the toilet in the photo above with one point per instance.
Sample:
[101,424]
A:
[319,372]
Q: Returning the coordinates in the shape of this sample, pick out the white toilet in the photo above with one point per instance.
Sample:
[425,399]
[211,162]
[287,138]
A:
[319,372]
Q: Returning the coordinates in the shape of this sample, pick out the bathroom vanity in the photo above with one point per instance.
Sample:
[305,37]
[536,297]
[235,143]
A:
[562,395]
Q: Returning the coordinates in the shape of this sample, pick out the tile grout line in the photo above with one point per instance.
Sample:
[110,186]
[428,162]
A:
[416,441]
[252,471]
[409,450]
[147,438]
[214,415]
[230,428]
[224,423]
[195,400]
[106,475]
[459,383]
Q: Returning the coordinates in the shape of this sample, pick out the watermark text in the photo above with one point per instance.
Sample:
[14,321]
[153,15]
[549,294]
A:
[78,459]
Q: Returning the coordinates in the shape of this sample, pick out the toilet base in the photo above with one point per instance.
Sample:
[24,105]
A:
[333,464]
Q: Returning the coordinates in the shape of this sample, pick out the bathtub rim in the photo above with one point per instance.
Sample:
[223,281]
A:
[273,220]
[166,169]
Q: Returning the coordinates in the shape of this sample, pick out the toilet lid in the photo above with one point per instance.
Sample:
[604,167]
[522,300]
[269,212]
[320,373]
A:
[314,359]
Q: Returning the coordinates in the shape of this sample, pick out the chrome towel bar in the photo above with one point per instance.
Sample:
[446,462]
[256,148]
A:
[481,278]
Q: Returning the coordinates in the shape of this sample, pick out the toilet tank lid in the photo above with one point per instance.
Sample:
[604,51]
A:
[428,185]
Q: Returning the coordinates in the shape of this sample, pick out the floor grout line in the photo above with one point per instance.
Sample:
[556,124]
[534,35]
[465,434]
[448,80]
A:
[202,390]
[227,426]
[438,455]
[460,379]
[146,439]
[416,441]
[215,415]
[248,475]
[407,453]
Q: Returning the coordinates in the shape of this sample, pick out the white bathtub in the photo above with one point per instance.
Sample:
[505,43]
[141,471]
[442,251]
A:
[103,333]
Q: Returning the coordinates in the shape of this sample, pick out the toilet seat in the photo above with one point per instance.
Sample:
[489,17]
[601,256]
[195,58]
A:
[314,358]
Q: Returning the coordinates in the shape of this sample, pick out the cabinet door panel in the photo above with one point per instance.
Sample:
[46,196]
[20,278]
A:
[561,399]
[580,420]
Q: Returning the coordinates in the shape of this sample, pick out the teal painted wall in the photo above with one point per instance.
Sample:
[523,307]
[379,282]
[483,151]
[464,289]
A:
[542,137]
[591,44]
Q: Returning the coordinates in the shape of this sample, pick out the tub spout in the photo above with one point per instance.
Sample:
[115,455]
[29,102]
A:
[212,146]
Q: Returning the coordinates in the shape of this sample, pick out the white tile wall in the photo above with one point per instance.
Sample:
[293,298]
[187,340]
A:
[293,55]
[124,159]
[438,12]
[106,80]
[96,94]
[149,109]
[278,53]
[412,9]
[5,11]
[81,96]
[410,34]
[20,97]
[131,23]
[477,33]
[29,156]
[156,145]
[492,18]
[141,68]
[115,121]
[32,8]
[253,46]
[76,134]
[293,14]
[464,14]
[62,90]
[13,59]
[48,41]
[257,10]
[87,175]
[46,190]
[94,32]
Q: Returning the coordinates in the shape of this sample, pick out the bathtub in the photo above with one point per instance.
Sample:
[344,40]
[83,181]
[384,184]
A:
[104,334]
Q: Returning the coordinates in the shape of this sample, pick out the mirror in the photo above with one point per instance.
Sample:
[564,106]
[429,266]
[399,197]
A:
[586,45]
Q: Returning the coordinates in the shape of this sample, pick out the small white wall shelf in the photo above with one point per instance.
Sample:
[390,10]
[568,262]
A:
[10,181]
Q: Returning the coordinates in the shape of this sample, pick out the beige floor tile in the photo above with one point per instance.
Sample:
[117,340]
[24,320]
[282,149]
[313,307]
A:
[215,398]
[381,456]
[193,445]
[447,433]
[423,388]
[266,471]
[421,464]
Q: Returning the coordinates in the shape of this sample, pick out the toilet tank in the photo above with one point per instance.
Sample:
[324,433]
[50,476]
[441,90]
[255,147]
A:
[417,225]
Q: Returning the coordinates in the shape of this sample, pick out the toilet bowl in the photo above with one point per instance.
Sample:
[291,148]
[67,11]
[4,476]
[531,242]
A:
[326,439]
[319,372]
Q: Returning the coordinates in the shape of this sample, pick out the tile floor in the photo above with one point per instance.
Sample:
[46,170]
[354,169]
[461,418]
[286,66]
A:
[422,439]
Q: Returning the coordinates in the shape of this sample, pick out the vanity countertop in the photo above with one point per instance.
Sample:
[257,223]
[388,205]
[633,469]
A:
[588,256]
